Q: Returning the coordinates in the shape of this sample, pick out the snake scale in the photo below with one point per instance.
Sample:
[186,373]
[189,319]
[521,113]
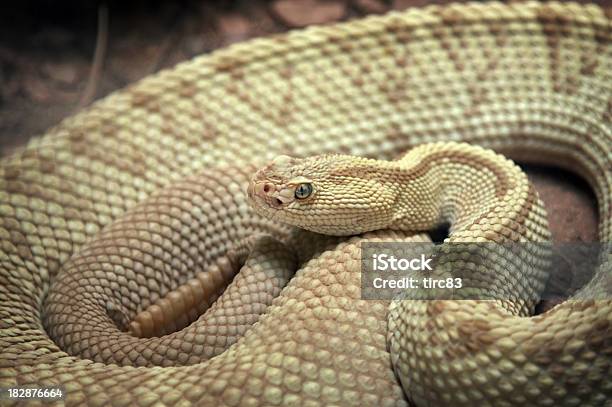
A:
[120,220]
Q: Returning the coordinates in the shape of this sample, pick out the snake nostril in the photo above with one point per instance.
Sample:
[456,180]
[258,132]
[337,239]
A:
[266,188]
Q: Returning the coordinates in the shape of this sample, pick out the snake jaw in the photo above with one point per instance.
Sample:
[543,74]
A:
[273,187]
[274,196]
[264,194]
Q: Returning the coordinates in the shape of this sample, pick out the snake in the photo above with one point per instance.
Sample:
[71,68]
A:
[195,238]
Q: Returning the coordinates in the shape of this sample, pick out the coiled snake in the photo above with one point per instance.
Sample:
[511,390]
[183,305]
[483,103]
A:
[131,216]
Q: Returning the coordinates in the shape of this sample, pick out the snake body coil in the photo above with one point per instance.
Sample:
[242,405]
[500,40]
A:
[138,204]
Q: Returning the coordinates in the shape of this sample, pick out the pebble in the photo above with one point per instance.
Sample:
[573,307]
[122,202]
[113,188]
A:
[61,72]
[36,89]
[300,13]
[371,6]
[235,26]
[404,4]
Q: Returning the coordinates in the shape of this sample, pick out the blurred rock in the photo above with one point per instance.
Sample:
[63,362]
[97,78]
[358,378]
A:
[61,72]
[234,25]
[403,4]
[36,89]
[371,6]
[299,13]
[194,44]
[125,66]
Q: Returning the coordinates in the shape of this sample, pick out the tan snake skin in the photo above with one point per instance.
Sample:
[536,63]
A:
[131,215]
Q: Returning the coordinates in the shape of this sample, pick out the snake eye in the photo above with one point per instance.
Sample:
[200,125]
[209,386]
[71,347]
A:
[303,191]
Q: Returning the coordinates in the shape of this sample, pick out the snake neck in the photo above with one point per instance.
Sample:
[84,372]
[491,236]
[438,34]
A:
[452,184]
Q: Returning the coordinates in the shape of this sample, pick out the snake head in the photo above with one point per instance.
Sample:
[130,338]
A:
[326,194]
[276,185]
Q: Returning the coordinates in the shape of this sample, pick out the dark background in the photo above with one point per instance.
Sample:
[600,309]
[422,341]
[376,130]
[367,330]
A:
[58,56]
